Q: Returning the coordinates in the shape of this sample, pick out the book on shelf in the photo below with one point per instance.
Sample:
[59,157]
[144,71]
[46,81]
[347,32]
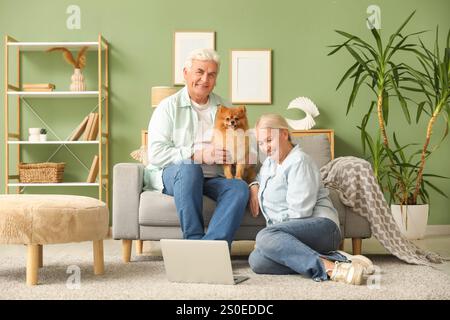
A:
[79,130]
[93,172]
[38,87]
[94,128]
[88,128]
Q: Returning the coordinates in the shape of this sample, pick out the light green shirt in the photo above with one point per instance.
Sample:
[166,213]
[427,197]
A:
[171,134]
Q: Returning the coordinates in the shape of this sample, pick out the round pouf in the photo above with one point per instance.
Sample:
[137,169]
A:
[36,220]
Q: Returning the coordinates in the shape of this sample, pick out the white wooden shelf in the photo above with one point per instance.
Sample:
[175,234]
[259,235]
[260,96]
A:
[42,46]
[54,142]
[59,184]
[54,94]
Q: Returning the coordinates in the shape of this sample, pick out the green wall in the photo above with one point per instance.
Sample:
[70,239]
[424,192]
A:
[141,37]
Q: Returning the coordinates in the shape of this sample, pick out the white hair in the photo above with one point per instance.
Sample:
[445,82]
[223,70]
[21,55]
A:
[202,55]
[272,121]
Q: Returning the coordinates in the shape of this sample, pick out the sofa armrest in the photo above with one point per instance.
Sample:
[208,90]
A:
[356,226]
[127,188]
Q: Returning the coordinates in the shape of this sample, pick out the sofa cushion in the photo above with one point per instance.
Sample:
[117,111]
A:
[158,209]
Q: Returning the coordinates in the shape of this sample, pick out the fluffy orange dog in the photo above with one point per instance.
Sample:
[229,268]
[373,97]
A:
[230,128]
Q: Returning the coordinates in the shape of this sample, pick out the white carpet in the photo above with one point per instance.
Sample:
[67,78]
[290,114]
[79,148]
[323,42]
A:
[144,278]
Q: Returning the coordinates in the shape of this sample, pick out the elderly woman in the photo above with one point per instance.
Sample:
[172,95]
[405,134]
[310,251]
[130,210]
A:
[302,233]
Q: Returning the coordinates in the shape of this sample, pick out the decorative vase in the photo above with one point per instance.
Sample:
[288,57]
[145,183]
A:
[411,219]
[78,83]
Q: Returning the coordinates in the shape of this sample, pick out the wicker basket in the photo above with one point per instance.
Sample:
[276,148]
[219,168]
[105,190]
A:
[41,172]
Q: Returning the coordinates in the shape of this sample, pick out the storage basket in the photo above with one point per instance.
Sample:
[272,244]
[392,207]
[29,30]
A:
[41,172]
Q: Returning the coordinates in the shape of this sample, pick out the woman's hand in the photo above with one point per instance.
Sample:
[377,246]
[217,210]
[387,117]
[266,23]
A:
[253,200]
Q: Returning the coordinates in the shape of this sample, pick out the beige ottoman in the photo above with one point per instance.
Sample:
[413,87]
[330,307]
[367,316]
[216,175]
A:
[36,220]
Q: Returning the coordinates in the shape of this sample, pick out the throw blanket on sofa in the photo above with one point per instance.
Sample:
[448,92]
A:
[358,188]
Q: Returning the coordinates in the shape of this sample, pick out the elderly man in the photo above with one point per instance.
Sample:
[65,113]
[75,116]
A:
[183,162]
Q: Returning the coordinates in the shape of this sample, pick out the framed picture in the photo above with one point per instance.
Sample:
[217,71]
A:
[184,43]
[251,76]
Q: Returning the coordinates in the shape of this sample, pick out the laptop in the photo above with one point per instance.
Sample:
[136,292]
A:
[198,261]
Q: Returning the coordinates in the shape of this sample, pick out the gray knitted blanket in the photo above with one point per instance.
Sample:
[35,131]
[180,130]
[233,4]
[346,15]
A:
[358,188]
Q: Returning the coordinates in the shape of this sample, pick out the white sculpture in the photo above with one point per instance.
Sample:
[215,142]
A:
[307,106]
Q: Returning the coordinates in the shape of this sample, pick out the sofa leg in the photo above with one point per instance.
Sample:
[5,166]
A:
[356,245]
[32,264]
[139,246]
[99,264]
[126,250]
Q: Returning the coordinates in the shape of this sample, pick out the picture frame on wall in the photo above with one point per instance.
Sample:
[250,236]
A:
[184,43]
[251,76]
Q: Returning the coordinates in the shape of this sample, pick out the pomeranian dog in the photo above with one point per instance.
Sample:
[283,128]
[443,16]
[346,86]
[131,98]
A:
[230,133]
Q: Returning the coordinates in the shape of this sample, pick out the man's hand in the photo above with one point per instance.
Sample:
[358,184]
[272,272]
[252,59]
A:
[211,155]
[222,156]
[253,200]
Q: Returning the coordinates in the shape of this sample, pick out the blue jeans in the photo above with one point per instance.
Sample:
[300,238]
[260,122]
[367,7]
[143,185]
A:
[296,246]
[185,182]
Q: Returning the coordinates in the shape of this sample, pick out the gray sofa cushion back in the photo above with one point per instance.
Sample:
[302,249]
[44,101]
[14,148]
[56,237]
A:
[316,146]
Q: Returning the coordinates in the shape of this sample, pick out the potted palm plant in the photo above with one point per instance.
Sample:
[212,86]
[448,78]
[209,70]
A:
[398,174]
[432,81]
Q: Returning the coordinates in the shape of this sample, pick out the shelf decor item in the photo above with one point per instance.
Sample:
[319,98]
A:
[34,134]
[93,172]
[47,172]
[43,135]
[310,110]
[38,87]
[78,81]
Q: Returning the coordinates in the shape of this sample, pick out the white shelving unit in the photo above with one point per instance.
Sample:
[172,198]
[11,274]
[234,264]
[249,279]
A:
[13,91]
[54,142]
[54,94]
[60,184]
[42,46]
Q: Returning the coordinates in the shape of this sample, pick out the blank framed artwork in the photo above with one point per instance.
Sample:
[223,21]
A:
[251,76]
[184,43]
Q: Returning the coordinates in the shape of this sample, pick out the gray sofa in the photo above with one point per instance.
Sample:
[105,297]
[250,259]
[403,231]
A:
[149,215]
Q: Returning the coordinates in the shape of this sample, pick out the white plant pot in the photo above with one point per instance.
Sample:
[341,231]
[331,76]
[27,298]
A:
[411,219]
[43,137]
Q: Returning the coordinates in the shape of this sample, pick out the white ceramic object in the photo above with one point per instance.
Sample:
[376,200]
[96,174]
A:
[34,131]
[412,220]
[43,137]
[34,137]
[78,83]
[309,108]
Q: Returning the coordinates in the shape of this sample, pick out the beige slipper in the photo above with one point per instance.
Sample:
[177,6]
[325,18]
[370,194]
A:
[362,260]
